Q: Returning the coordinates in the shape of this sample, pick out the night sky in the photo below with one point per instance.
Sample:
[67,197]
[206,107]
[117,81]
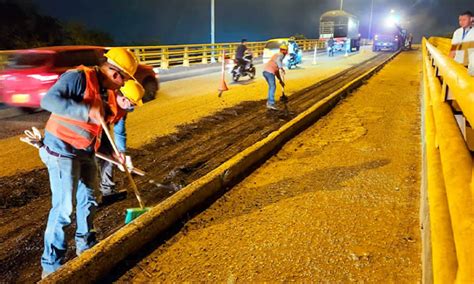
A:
[188,21]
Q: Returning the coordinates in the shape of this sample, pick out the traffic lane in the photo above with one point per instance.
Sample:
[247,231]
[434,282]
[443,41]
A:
[14,121]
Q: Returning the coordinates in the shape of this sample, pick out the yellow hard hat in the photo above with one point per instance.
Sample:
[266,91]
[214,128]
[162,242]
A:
[124,59]
[284,46]
[133,91]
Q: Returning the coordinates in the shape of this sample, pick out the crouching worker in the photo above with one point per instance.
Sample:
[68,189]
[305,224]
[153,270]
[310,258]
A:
[129,97]
[72,136]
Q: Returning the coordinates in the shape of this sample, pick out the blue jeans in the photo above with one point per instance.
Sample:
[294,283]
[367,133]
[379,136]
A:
[271,87]
[69,176]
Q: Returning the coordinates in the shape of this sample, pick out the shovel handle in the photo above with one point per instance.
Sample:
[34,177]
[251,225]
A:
[127,172]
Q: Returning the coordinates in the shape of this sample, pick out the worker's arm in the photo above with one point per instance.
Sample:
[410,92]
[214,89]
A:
[120,135]
[279,62]
[66,95]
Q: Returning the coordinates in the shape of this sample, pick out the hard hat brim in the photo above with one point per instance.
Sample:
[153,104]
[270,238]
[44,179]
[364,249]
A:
[111,61]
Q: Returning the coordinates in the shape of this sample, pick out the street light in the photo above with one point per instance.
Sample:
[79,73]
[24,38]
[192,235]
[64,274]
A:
[370,19]
[342,3]
[213,29]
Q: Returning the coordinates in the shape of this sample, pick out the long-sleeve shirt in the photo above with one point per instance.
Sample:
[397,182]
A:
[65,98]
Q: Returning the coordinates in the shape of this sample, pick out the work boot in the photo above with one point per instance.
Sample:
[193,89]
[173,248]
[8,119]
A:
[112,197]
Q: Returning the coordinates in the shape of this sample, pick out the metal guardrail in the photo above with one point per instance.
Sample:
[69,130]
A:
[185,55]
[165,56]
[443,44]
[449,114]
[3,59]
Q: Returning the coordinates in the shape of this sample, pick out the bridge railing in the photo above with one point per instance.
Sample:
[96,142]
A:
[165,56]
[449,117]
[3,58]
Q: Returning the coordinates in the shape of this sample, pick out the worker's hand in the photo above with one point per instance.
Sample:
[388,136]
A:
[128,162]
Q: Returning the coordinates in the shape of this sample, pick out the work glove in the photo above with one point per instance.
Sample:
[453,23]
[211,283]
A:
[128,162]
[33,137]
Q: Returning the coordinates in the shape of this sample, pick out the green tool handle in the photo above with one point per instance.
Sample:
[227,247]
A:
[127,172]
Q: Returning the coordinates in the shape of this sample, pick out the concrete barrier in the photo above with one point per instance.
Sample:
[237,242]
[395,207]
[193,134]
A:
[95,263]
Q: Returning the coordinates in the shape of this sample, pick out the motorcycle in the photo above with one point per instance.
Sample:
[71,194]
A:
[242,71]
[294,59]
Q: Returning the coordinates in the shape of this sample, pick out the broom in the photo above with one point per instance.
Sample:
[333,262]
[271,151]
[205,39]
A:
[131,213]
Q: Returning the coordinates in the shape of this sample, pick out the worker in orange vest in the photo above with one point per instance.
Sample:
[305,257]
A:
[272,69]
[73,134]
[129,97]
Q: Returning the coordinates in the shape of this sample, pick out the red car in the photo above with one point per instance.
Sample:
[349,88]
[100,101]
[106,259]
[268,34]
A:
[30,73]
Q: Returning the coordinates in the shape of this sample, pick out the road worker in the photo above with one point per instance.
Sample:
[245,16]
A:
[72,136]
[128,98]
[272,69]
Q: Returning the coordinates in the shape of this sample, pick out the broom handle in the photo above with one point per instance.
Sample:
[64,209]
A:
[111,160]
[127,172]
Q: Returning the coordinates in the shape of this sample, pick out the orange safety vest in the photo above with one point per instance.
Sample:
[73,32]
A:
[79,133]
[116,112]
[271,66]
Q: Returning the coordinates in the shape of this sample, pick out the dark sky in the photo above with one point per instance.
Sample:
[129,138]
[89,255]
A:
[188,21]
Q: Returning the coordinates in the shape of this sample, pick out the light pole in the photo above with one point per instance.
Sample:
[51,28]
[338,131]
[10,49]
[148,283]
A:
[370,19]
[213,29]
[342,4]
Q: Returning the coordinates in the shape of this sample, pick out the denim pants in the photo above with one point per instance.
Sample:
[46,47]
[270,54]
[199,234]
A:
[107,185]
[69,177]
[271,87]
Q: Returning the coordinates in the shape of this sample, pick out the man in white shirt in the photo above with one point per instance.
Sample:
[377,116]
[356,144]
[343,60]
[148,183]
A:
[462,43]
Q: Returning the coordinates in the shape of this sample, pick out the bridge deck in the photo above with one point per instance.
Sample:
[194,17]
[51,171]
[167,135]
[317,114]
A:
[339,202]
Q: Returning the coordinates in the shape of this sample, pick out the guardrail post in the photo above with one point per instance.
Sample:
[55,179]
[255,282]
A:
[186,57]
[219,50]
[138,54]
[204,55]
[164,58]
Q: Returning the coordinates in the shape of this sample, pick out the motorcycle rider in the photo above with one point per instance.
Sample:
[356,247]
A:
[293,50]
[331,44]
[240,54]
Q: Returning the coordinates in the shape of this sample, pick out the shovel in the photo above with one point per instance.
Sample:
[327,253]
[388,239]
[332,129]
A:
[131,213]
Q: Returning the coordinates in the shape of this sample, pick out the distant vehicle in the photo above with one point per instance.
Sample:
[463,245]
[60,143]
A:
[341,26]
[295,55]
[273,46]
[248,69]
[30,73]
[388,38]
